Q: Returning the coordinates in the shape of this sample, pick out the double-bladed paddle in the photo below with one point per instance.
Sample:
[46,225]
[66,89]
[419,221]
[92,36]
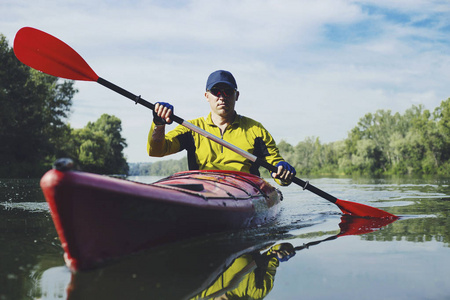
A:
[50,55]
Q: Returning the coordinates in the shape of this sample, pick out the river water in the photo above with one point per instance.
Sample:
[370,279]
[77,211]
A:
[407,259]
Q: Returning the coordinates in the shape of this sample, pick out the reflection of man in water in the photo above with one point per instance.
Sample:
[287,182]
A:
[250,276]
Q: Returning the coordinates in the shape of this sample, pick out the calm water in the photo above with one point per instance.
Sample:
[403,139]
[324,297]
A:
[408,259]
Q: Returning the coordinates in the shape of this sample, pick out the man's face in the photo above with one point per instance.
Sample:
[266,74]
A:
[222,99]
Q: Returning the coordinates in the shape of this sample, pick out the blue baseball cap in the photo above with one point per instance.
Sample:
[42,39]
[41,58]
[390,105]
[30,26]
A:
[221,76]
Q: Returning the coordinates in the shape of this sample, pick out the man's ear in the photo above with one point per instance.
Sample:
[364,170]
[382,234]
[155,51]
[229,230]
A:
[237,95]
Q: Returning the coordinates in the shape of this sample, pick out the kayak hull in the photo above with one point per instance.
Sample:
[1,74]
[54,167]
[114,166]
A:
[99,218]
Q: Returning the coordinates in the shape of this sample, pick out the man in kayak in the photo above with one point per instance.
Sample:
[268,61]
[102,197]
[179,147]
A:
[223,121]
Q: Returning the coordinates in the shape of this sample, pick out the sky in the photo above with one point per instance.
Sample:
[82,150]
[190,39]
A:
[303,68]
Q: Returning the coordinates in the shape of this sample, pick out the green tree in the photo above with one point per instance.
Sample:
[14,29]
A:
[90,150]
[34,107]
[440,138]
[111,126]
[287,152]
[98,147]
[306,155]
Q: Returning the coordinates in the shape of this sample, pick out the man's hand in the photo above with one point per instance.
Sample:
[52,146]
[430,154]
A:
[285,172]
[162,113]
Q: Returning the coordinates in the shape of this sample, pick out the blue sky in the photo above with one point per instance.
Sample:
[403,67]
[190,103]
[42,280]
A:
[303,68]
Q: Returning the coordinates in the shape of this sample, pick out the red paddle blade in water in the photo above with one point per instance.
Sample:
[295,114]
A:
[361,210]
[48,54]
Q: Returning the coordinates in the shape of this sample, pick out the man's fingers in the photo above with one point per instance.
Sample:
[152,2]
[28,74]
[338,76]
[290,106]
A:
[163,112]
[284,173]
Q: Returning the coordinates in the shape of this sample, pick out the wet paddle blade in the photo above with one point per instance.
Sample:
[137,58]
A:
[48,54]
[361,210]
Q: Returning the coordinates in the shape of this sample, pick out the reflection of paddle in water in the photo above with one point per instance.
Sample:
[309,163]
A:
[353,226]
[252,275]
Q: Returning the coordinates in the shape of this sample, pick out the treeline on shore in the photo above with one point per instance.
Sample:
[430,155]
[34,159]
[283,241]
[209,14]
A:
[159,168]
[382,143]
[416,142]
[33,125]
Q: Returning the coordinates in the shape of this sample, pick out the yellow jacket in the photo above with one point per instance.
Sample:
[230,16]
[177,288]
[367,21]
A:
[204,154]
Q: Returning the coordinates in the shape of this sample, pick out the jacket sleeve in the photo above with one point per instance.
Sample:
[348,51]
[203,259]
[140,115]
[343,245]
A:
[160,144]
[273,154]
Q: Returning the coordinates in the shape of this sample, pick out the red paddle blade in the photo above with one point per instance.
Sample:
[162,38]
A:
[361,210]
[354,226]
[46,53]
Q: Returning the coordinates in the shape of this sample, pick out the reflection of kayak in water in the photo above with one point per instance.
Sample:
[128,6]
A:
[176,271]
[219,266]
[184,272]
[98,218]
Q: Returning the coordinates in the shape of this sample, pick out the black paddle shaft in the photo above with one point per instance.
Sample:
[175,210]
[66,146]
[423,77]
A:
[133,97]
[304,184]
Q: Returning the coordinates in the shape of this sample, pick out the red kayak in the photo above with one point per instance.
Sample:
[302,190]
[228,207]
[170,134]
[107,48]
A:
[99,218]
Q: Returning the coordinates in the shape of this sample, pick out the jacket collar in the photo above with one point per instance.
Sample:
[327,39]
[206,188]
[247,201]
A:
[236,121]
